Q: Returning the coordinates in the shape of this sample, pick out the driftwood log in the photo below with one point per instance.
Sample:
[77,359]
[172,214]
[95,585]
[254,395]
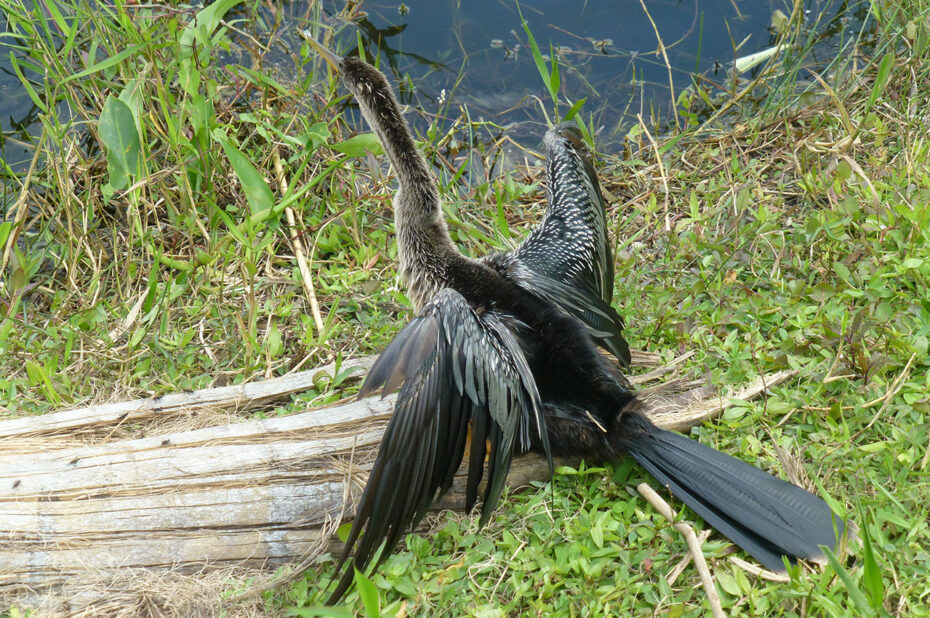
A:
[87,496]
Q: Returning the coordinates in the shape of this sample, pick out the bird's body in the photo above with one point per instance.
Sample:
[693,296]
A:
[506,348]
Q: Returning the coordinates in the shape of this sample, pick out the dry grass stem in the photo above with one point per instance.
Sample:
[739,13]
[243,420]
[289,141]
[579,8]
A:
[694,545]
[22,203]
[759,572]
[668,65]
[655,148]
[306,276]
[892,391]
[676,572]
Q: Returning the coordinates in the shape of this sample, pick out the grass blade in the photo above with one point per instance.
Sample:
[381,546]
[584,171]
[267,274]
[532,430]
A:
[544,72]
[574,109]
[855,595]
[27,85]
[106,63]
[881,78]
[872,574]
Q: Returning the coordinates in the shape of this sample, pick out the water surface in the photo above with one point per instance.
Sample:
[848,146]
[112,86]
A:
[451,58]
[474,56]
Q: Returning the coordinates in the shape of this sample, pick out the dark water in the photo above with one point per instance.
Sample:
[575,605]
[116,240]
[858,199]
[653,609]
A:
[450,56]
[472,56]
[18,116]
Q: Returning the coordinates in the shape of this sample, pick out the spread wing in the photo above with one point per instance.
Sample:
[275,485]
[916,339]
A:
[458,370]
[570,245]
[601,320]
[567,259]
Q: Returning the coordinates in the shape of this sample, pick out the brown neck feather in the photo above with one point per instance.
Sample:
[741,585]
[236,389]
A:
[381,110]
[423,240]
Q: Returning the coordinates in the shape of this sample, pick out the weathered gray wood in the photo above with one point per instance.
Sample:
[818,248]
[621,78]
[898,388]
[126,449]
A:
[251,494]
[111,415]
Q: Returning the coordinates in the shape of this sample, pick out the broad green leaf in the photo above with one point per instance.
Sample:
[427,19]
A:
[136,336]
[368,594]
[841,271]
[359,145]
[17,278]
[132,96]
[597,535]
[274,344]
[201,113]
[317,135]
[189,77]
[340,377]
[117,130]
[5,228]
[39,377]
[6,327]
[256,189]
[728,583]
[822,291]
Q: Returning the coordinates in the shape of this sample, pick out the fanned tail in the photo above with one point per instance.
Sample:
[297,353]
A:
[766,516]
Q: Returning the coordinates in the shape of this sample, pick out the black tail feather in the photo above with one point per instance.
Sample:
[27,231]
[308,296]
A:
[766,516]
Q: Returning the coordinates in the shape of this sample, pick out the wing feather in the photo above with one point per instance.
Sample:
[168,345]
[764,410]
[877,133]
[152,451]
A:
[456,370]
[571,243]
[567,259]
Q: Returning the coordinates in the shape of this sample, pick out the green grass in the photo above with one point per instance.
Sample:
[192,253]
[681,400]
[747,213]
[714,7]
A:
[796,240]
[179,218]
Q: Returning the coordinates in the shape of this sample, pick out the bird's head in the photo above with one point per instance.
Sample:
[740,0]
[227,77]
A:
[360,78]
[566,138]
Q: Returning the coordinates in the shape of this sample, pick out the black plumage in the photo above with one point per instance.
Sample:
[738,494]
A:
[506,348]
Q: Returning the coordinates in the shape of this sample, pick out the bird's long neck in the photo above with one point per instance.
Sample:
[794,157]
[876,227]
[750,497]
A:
[422,237]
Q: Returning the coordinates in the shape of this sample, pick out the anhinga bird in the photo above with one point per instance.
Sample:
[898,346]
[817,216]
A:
[505,348]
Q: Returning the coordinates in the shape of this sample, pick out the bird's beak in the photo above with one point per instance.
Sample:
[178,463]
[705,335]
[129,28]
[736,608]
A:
[333,60]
